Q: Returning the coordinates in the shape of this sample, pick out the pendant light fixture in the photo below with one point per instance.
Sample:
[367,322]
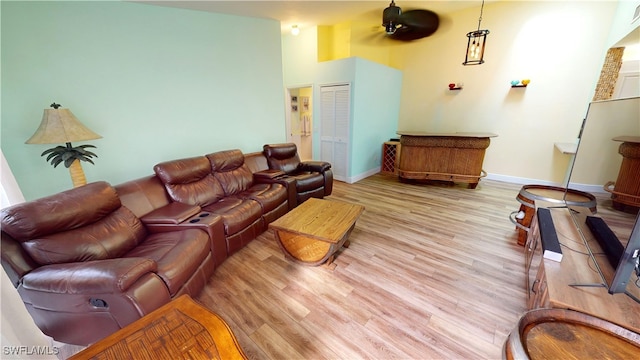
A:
[475,44]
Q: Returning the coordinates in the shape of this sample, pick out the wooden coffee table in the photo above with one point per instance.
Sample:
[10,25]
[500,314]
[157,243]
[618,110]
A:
[180,329]
[311,233]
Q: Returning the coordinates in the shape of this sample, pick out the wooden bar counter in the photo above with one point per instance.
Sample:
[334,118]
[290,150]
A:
[455,157]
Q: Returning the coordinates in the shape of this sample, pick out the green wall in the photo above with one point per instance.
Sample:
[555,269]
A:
[376,106]
[375,102]
[157,83]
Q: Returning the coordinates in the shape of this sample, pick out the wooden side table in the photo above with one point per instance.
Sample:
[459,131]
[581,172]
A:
[566,334]
[180,329]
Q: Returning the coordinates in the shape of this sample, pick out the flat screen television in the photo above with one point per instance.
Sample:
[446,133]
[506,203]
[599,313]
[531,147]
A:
[597,161]
[628,268]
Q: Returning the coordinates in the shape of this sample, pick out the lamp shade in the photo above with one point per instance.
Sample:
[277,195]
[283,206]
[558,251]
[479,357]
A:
[60,126]
[475,47]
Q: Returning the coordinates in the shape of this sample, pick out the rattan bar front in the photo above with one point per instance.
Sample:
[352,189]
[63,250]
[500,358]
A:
[455,157]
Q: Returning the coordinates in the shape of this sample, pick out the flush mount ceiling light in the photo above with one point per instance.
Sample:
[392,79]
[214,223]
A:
[475,44]
[295,30]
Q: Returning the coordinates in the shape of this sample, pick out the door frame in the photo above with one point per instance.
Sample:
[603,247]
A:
[289,115]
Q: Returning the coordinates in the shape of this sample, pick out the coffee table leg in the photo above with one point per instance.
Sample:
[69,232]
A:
[310,251]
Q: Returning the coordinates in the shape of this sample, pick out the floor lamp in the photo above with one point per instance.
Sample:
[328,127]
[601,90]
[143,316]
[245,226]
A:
[61,126]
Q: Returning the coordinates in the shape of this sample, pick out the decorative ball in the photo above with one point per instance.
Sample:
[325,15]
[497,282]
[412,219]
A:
[514,82]
[525,82]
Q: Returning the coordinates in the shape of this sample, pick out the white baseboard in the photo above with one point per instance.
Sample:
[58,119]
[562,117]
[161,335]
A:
[520,180]
[591,188]
[352,179]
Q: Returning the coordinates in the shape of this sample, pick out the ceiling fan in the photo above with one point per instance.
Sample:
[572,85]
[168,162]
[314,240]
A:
[408,25]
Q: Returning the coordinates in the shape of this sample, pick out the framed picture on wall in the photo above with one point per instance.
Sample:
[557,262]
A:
[294,107]
[294,99]
[305,103]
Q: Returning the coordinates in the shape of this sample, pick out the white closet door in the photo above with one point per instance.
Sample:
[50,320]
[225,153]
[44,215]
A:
[334,130]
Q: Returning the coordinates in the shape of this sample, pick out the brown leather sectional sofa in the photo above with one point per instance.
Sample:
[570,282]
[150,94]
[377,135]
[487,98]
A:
[93,259]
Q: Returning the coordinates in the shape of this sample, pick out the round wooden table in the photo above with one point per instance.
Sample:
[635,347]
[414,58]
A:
[568,334]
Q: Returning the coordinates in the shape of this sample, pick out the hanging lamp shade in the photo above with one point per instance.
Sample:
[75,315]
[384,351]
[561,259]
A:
[475,47]
[476,41]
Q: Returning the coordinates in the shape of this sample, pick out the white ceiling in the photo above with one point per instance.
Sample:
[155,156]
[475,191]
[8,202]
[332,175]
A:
[308,13]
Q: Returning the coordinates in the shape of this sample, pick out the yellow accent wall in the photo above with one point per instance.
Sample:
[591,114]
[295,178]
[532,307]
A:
[541,46]
[357,39]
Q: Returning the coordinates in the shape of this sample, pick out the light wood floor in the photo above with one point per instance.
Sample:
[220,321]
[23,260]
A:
[433,271]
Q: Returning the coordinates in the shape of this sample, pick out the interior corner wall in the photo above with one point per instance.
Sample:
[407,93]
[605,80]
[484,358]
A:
[623,24]
[157,83]
[325,42]
[376,103]
[559,45]
[300,56]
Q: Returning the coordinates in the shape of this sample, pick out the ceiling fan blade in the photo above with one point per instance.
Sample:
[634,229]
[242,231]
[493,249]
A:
[416,24]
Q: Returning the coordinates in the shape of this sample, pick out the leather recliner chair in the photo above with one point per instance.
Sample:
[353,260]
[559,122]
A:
[86,266]
[313,178]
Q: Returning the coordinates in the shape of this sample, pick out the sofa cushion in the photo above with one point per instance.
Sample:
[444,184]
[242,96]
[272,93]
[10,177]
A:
[237,213]
[190,181]
[81,224]
[109,238]
[309,181]
[143,195]
[110,275]
[270,195]
[59,212]
[178,254]
[282,157]
[229,169]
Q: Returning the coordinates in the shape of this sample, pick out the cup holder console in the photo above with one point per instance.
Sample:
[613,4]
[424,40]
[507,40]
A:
[203,215]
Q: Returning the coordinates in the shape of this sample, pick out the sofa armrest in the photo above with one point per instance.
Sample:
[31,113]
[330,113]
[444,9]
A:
[319,166]
[211,223]
[172,213]
[268,174]
[99,276]
[279,177]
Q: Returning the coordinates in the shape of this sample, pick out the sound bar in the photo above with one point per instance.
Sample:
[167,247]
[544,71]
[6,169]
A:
[608,241]
[550,245]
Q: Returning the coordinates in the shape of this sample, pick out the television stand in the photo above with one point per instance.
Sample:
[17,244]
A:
[554,284]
